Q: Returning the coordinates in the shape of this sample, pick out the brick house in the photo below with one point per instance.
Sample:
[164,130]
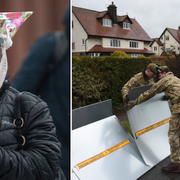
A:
[101,33]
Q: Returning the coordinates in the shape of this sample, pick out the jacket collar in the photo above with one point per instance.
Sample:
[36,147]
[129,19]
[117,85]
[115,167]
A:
[170,73]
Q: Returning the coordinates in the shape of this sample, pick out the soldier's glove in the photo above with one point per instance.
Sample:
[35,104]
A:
[129,106]
[125,99]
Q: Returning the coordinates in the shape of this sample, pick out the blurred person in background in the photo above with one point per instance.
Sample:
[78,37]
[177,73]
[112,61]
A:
[46,73]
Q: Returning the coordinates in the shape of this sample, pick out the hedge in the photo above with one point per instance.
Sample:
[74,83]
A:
[101,78]
[172,62]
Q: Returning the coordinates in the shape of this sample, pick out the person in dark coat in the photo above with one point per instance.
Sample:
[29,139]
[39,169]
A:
[47,76]
[29,148]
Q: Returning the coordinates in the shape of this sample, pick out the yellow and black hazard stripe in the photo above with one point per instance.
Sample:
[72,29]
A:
[102,154]
[149,128]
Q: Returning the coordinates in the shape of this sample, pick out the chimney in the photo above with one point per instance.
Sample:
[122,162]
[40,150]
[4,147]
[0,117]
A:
[112,12]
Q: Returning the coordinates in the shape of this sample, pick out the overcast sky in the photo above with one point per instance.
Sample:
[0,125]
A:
[153,15]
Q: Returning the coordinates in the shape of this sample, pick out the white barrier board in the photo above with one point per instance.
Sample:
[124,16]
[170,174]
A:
[105,150]
[150,123]
[74,176]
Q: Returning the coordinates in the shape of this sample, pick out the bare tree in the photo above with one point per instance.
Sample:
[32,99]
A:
[173,50]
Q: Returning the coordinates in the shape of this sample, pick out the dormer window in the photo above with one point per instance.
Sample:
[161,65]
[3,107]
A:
[126,25]
[107,22]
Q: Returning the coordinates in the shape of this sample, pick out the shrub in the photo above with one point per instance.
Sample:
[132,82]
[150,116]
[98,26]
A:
[119,54]
[140,56]
[152,56]
[127,126]
[101,78]
[86,85]
[96,79]
[167,54]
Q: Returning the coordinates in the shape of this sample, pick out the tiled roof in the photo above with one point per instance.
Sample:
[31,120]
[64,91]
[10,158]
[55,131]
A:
[121,18]
[157,40]
[99,48]
[101,14]
[175,33]
[88,19]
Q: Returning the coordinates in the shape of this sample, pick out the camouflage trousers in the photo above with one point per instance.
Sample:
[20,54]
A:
[174,137]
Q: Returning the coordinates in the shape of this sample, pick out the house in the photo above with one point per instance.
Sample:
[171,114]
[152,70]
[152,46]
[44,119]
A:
[168,42]
[101,33]
[156,46]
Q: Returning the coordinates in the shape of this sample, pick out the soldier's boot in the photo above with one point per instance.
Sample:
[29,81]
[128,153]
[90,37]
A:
[172,167]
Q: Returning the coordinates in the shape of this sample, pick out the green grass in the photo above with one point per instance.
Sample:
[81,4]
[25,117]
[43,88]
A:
[127,126]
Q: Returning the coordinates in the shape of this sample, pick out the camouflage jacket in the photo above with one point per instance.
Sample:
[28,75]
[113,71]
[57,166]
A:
[138,79]
[170,85]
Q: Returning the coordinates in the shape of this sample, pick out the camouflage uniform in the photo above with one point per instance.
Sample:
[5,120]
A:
[139,79]
[170,85]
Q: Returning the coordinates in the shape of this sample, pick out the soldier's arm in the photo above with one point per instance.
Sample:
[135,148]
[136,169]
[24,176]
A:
[130,84]
[155,89]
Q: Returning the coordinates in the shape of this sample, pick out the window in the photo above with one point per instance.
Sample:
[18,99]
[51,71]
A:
[115,43]
[167,38]
[107,22]
[83,41]
[179,48]
[162,38]
[73,45]
[133,44]
[136,55]
[155,48]
[167,50]
[94,54]
[126,25]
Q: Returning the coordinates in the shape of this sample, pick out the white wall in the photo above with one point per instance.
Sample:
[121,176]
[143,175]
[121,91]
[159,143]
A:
[155,44]
[146,45]
[159,50]
[78,33]
[172,41]
[92,41]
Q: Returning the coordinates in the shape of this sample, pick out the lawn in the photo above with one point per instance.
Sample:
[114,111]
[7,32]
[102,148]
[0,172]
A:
[127,126]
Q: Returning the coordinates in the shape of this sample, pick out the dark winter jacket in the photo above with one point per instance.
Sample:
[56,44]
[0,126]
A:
[30,152]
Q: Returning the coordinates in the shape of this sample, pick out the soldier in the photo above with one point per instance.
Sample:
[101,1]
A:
[140,79]
[170,85]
